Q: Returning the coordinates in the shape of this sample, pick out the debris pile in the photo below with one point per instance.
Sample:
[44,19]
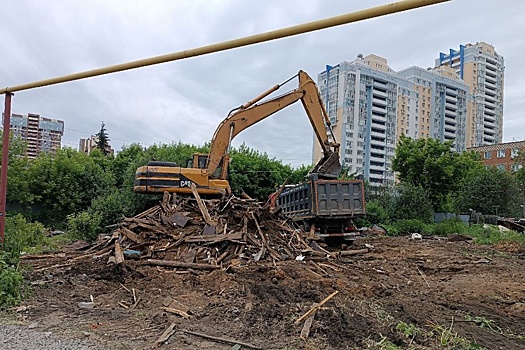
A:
[208,234]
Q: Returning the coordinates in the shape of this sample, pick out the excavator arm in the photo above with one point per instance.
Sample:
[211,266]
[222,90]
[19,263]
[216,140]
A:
[252,113]
[209,173]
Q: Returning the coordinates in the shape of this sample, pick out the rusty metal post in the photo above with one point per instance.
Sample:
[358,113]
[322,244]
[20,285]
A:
[3,171]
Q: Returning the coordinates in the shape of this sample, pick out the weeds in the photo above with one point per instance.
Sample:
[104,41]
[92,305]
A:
[408,330]
[485,323]
[451,340]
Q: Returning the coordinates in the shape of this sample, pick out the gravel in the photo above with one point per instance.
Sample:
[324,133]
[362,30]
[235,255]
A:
[23,338]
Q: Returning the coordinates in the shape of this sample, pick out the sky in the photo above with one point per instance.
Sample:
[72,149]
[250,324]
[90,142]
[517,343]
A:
[186,100]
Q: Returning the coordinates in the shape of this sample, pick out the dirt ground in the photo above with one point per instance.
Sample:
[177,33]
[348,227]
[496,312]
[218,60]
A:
[404,293]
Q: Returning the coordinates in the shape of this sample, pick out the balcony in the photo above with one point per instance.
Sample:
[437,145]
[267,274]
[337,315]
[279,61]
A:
[378,150]
[377,142]
[379,102]
[378,135]
[380,93]
[378,109]
[378,127]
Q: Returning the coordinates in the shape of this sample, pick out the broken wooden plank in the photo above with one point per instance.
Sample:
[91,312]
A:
[131,235]
[315,308]
[176,312]
[148,212]
[119,256]
[353,252]
[220,339]
[165,335]
[180,264]
[202,206]
[164,204]
[42,256]
[214,238]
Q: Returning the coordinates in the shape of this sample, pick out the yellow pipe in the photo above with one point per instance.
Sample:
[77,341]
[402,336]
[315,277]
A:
[231,44]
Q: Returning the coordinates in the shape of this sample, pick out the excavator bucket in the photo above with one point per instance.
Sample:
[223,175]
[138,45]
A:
[328,167]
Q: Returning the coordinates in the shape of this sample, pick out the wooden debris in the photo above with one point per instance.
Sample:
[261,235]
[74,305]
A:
[305,332]
[423,275]
[220,339]
[353,252]
[315,308]
[181,264]
[165,335]
[131,235]
[202,206]
[42,256]
[176,312]
[206,234]
[119,256]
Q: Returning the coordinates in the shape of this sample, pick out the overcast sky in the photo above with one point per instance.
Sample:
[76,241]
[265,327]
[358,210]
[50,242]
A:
[185,100]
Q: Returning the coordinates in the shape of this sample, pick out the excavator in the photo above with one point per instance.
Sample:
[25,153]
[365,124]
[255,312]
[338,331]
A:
[209,172]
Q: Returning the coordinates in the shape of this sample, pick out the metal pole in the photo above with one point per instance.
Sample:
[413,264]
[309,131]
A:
[3,170]
[227,45]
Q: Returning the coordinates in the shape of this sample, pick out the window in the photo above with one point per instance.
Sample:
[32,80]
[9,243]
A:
[516,167]
[487,155]
[501,153]
[514,153]
[501,166]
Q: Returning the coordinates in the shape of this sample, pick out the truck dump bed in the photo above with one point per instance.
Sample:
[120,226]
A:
[324,199]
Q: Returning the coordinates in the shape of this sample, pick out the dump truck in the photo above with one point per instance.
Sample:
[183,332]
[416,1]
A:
[325,207]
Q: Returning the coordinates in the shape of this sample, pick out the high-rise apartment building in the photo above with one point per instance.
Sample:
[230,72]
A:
[360,98]
[370,106]
[41,134]
[482,69]
[440,102]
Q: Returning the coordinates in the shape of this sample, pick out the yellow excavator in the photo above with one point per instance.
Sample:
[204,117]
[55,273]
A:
[209,172]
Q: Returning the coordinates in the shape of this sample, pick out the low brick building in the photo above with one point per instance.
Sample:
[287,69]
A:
[501,155]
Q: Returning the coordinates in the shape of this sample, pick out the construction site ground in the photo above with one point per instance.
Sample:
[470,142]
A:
[423,294]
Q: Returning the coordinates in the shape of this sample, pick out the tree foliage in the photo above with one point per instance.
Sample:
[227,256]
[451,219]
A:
[255,173]
[490,191]
[103,140]
[433,166]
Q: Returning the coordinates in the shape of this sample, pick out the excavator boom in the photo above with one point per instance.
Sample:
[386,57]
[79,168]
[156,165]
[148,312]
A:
[212,178]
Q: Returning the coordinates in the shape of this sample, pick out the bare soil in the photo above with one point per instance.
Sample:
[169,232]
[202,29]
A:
[456,295]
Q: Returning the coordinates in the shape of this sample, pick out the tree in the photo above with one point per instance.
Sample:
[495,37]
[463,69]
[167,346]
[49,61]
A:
[103,140]
[61,184]
[255,173]
[432,165]
[490,191]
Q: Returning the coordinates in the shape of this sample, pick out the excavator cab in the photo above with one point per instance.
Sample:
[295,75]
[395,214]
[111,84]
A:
[199,161]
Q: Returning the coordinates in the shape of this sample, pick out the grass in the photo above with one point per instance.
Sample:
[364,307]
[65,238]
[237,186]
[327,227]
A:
[492,235]
[450,339]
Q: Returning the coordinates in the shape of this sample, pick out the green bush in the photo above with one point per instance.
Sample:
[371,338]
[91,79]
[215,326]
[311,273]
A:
[376,213]
[11,283]
[391,230]
[84,225]
[492,235]
[20,235]
[448,227]
[405,227]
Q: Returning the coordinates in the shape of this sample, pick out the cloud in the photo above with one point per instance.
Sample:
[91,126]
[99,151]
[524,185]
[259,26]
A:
[186,100]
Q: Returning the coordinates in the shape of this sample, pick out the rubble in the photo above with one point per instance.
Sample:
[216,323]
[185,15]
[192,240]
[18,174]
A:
[206,234]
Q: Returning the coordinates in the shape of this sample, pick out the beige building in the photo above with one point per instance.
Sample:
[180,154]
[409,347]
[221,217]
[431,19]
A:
[482,69]
[41,134]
